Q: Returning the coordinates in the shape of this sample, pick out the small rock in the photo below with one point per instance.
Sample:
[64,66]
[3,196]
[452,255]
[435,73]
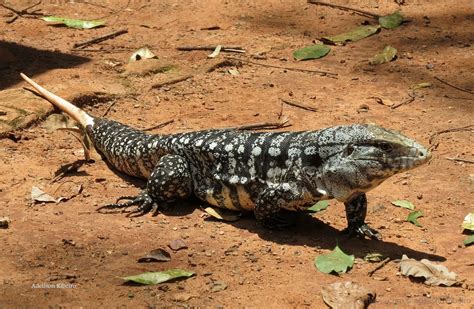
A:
[217,286]
[177,244]
[4,223]
[430,66]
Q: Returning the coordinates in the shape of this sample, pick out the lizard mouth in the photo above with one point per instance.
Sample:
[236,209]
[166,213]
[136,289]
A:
[415,157]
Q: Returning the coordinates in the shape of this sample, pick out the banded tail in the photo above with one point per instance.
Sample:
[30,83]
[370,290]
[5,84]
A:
[75,112]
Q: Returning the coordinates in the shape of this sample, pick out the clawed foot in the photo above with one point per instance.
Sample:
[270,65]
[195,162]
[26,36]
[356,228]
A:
[143,200]
[363,230]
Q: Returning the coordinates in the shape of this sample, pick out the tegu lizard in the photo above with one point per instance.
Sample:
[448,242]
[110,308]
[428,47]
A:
[263,172]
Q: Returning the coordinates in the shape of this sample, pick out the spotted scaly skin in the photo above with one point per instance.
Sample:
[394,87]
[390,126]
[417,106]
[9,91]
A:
[253,171]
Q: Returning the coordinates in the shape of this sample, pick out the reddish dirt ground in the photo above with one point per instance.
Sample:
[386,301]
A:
[70,243]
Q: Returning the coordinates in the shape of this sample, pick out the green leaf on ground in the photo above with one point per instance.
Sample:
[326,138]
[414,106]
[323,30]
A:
[421,85]
[413,216]
[311,52]
[391,21]
[321,205]
[354,35]
[336,261]
[468,223]
[74,23]
[404,204]
[388,54]
[469,240]
[159,276]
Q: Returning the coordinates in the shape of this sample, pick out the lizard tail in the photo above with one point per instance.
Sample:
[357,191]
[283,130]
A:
[75,112]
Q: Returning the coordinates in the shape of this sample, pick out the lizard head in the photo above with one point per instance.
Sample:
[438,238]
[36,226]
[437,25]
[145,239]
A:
[358,158]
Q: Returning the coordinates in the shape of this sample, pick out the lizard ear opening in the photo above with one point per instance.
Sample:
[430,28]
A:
[310,170]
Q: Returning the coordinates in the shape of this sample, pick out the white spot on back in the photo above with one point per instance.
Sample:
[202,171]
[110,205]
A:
[257,151]
[273,151]
[228,147]
[234,179]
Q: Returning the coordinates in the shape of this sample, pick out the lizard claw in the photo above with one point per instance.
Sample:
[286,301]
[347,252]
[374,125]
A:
[143,200]
[363,230]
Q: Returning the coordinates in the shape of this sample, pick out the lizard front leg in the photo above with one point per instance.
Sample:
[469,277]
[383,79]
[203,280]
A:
[270,206]
[356,210]
[170,180]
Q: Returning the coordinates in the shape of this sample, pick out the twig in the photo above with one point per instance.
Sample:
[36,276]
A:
[221,64]
[109,108]
[23,12]
[378,266]
[171,82]
[461,129]
[103,50]
[457,98]
[451,85]
[114,13]
[345,8]
[100,38]
[263,126]
[159,126]
[234,49]
[460,160]
[299,105]
[407,101]
[322,73]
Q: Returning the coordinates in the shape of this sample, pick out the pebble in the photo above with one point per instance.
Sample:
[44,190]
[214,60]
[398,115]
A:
[4,223]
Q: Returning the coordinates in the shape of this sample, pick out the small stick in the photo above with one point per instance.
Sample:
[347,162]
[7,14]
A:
[103,50]
[235,49]
[345,8]
[100,38]
[263,126]
[322,73]
[451,85]
[460,160]
[109,108]
[407,101]
[378,266]
[223,63]
[466,128]
[23,12]
[159,126]
[171,82]
[299,105]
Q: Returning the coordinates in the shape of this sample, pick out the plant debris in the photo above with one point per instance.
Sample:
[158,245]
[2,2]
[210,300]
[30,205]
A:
[434,274]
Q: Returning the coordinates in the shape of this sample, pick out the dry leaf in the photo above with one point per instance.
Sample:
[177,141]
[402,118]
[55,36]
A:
[38,195]
[142,53]
[347,295]
[59,121]
[158,255]
[434,274]
[221,214]
[216,52]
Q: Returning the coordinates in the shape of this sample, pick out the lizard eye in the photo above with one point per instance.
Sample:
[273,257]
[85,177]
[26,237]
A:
[385,147]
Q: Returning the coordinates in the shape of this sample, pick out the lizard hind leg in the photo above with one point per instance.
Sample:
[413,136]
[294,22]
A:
[270,207]
[169,181]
